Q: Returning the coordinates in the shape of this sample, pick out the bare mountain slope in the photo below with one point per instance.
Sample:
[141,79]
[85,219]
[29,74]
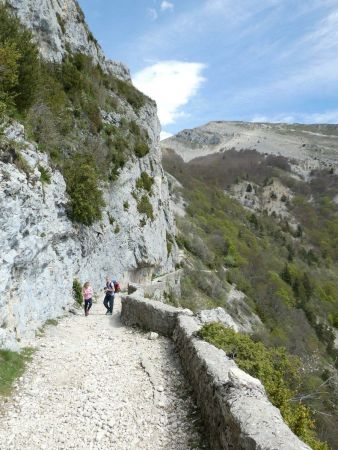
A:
[312,145]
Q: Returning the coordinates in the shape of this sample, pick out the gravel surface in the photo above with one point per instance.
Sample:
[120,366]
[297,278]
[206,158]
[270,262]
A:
[95,384]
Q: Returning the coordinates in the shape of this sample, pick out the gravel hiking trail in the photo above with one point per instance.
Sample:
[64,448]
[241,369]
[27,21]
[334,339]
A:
[96,384]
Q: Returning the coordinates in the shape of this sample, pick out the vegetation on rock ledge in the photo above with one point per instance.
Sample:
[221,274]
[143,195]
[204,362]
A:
[278,371]
[63,106]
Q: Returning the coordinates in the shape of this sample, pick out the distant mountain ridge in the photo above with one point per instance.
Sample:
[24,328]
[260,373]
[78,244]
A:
[313,145]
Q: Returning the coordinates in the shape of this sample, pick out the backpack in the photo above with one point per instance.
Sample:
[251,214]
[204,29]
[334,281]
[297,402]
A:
[117,286]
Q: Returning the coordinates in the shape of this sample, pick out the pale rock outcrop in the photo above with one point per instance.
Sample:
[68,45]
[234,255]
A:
[218,315]
[59,27]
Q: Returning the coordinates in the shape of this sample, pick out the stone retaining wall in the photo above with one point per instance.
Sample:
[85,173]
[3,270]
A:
[150,314]
[234,406]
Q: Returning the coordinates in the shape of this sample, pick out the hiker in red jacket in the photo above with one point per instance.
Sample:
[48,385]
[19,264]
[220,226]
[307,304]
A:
[109,297]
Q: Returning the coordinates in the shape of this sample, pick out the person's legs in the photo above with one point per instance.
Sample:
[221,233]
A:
[90,304]
[86,307]
[109,305]
[112,298]
[106,302]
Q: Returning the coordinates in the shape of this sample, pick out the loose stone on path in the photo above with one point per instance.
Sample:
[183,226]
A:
[95,384]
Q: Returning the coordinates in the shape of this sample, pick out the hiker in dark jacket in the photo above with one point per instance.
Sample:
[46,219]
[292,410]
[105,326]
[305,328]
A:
[109,297]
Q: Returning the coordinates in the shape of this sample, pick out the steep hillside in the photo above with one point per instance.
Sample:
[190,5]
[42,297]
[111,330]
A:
[82,190]
[258,233]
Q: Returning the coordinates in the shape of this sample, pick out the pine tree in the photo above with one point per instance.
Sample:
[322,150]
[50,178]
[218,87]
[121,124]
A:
[286,275]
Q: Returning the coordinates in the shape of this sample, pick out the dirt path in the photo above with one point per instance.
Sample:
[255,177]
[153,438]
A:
[95,384]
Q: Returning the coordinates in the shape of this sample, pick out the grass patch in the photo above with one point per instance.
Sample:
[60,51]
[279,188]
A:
[52,322]
[12,366]
[45,176]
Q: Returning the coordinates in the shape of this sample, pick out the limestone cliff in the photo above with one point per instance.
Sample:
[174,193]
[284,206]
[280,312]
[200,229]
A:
[60,27]
[41,250]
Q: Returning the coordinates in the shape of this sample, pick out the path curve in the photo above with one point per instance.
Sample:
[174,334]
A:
[95,384]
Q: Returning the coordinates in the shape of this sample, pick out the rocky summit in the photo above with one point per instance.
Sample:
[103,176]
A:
[59,27]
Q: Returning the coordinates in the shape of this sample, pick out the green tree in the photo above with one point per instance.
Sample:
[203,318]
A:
[9,76]
[86,199]
[308,286]
[28,64]
[286,275]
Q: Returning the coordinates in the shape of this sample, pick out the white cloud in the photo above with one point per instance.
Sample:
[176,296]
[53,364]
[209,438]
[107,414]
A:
[152,13]
[171,84]
[165,135]
[167,6]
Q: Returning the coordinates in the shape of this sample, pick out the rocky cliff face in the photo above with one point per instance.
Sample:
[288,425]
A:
[59,27]
[41,250]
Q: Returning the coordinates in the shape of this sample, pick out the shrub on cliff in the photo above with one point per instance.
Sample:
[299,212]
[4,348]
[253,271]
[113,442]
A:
[144,207]
[145,182]
[9,77]
[126,90]
[22,57]
[77,292]
[141,148]
[278,371]
[86,199]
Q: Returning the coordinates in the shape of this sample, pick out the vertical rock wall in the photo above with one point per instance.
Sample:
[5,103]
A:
[42,252]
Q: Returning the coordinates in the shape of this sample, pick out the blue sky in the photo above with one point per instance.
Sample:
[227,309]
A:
[202,60]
